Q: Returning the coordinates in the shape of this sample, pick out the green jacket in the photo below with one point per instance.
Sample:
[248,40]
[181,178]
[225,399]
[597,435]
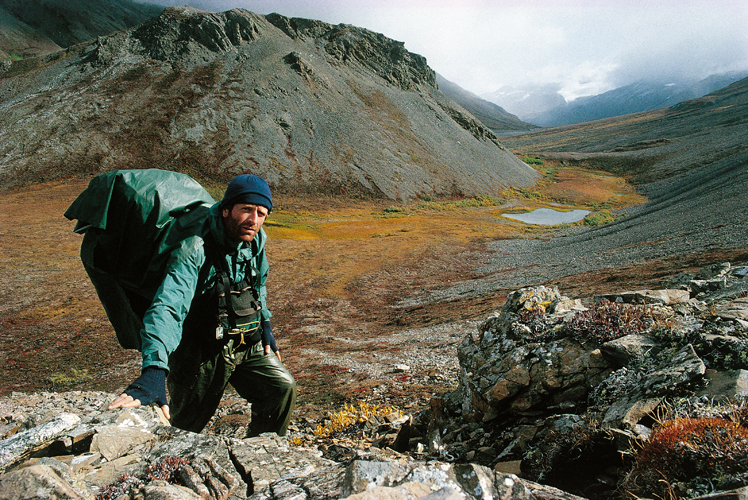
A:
[144,233]
[183,286]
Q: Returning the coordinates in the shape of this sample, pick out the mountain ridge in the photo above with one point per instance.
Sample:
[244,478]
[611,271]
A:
[313,107]
[543,106]
[491,114]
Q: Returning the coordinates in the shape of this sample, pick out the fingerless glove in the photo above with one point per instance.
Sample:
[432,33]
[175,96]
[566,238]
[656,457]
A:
[150,387]
[267,336]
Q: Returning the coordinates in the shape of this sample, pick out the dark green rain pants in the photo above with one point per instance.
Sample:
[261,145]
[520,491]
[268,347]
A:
[259,378]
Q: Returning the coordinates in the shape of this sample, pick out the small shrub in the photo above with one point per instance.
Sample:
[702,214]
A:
[605,321]
[530,193]
[684,456]
[478,201]
[165,470]
[534,319]
[351,415]
[127,484]
[532,160]
[598,218]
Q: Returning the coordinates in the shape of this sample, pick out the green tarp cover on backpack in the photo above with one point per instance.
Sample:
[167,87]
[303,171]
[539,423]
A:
[133,220]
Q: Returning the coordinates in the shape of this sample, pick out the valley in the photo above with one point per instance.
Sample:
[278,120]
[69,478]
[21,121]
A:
[342,273]
[394,233]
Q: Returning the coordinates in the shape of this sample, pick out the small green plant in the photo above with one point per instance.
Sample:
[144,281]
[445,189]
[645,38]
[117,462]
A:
[598,218]
[63,380]
[393,210]
[530,193]
[605,205]
[532,160]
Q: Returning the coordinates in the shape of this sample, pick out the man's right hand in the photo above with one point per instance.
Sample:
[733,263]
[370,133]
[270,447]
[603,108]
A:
[149,388]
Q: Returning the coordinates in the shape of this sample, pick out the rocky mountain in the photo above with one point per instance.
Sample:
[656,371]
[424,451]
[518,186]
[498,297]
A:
[543,106]
[490,114]
[43,26]
[311,106]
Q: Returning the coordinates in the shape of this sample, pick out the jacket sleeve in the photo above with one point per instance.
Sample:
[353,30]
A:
[163,321]
[261,263]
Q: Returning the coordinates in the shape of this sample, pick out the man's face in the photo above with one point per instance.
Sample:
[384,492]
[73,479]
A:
[243,221]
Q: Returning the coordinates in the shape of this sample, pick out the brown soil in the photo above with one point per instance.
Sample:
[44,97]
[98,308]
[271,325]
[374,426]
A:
[338,269]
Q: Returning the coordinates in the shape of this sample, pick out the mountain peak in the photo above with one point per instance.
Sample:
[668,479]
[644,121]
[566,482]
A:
[312,107]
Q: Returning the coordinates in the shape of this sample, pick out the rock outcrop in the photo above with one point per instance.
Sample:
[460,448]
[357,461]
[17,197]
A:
[547,368]
[310,106]
[133,453]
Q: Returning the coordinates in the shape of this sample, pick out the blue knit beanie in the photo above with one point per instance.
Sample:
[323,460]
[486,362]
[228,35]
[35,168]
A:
[250,189]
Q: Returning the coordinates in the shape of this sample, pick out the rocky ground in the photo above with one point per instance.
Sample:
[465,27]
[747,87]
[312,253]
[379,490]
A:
[372,300]
[385,335]
[637,351]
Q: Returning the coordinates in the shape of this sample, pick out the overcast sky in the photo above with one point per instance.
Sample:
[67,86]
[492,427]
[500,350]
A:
[585,47]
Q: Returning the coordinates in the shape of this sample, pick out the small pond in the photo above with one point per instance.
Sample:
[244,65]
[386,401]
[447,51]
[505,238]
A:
[549,216]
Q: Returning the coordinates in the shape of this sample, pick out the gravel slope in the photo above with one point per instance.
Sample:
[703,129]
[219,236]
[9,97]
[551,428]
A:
[697,158]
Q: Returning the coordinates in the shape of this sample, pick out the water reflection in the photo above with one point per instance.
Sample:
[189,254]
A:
[549,216]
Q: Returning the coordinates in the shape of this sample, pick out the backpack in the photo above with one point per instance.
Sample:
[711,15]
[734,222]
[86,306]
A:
[132,220]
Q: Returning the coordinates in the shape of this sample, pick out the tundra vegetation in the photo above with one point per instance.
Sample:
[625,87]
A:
[368,252]
[358,256]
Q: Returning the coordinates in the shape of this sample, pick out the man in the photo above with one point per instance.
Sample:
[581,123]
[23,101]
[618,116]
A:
[196,337]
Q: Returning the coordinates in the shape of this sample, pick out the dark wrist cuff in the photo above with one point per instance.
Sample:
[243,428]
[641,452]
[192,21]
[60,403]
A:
[267,336]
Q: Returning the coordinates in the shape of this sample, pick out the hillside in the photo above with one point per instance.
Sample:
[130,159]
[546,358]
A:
[690,160]
[491,115]
[17,39]
[64,23]
[311,106]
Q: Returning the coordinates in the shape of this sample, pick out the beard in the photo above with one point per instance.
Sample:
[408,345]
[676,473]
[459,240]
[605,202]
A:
[236,231]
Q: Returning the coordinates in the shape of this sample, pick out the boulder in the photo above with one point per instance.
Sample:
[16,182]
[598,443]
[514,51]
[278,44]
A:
[508,370]
[666,297]
[726,384]
[25,443]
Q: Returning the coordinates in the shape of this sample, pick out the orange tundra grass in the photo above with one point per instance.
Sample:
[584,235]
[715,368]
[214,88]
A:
[684,449]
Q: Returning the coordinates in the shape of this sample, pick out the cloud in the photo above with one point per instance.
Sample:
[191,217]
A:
[583,46]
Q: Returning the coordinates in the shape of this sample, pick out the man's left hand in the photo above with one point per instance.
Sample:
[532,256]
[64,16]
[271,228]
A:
[268,340]
[268,350]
